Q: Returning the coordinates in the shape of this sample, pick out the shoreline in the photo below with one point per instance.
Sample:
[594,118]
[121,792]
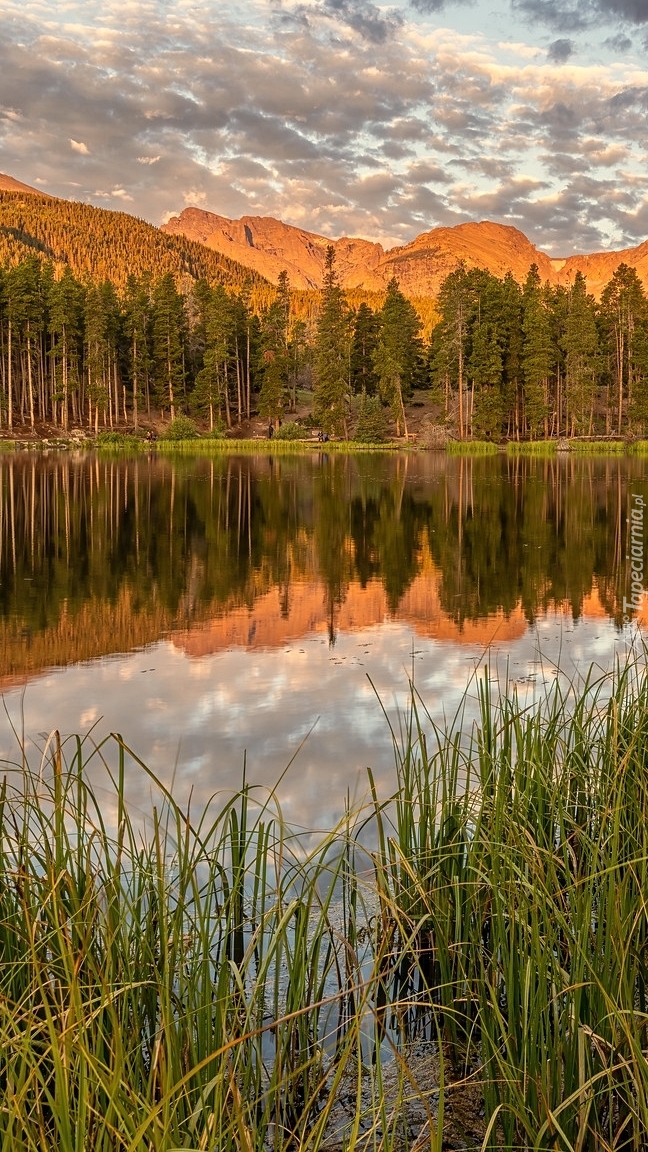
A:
[131,442]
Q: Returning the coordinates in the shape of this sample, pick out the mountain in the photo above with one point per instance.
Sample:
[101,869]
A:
[8,184]
[268,246]
[102,244]
[599,267]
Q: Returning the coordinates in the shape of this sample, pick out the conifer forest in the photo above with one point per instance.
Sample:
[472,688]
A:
[164,328]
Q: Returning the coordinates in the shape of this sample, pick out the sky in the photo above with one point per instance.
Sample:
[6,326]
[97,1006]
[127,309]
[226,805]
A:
[344,117]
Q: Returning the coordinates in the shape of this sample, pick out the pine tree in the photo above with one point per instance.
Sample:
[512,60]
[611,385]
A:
[623,314]
[25,321]
[366,330]
[331,354]
[538,354]
[397,352]
[137,324]
[485,364]
[65,324]
[450,340]
[168,329]
[581,347]
[96,354]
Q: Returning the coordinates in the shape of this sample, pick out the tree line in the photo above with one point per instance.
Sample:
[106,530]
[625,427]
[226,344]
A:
[502,359]
[532,361]
[83,352]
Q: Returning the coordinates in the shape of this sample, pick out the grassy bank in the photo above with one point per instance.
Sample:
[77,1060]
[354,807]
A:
[217,982]
[471,448]
[274,447]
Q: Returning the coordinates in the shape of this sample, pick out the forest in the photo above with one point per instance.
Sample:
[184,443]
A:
[105,322]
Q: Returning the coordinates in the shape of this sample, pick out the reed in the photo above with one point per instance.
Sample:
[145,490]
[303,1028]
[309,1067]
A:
[599,447]
[471,448]
[207,447]
[216,981]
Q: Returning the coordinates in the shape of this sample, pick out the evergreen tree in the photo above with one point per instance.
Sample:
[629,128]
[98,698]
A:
[272,397]
[581,347]
[538,354]
[168,330]
[512,341]
[298,357]
[450,340]
[623,314]
[366,331]
[25,322]
[397,352]
[213,383]
[138,318]
[65,323]
[485,365]
[96,354]
[331,354]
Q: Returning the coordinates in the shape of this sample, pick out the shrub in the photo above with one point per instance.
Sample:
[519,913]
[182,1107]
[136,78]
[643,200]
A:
[217,433]
[289,431]
[182,428]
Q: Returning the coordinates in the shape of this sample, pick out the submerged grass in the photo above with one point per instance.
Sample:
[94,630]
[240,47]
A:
[219,983]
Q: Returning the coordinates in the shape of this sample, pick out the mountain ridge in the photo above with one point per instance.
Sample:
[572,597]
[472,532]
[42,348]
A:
[268,246]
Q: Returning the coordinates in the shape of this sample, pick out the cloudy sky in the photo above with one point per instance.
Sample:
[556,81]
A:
[341,116]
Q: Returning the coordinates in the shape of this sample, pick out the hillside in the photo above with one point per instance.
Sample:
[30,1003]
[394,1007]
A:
[98,243]
[9,184]
[268,246]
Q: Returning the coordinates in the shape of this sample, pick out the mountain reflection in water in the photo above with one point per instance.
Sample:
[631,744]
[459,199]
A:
[203,573]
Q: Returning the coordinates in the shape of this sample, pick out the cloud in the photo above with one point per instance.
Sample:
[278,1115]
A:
[80,147]
[428,7]
[619,43]
[301,111]
[366,18]
[361,16]
[560,51]
[583,14]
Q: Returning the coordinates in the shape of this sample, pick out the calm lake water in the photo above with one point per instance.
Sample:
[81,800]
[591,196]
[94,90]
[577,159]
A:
[205,608]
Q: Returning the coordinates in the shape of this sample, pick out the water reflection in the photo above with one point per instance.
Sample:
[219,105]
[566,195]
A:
[247,596]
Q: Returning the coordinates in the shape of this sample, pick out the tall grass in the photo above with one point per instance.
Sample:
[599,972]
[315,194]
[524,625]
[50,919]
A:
[218,982]
[471,448]
[581,447]
[599,447]
[205,447]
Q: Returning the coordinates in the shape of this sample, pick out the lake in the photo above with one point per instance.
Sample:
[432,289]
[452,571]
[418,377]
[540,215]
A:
[208,609]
